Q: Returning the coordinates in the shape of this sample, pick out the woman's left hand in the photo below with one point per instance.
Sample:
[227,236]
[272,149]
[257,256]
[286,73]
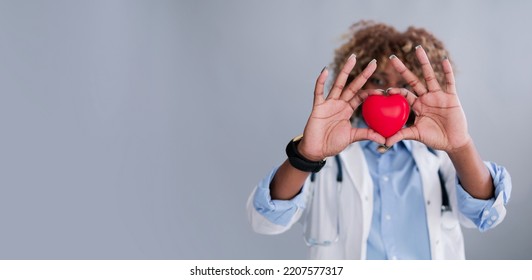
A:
[440,120]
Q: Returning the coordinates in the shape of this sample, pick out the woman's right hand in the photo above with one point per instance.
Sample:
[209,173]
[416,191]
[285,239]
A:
[329,130]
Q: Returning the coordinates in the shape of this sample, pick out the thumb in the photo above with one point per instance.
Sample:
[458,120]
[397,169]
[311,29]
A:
[407,133]
[358,134]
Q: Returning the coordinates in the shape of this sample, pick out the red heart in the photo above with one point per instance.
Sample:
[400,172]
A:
[386,114]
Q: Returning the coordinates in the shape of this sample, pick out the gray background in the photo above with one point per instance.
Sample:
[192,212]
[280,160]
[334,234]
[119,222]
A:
[137,129]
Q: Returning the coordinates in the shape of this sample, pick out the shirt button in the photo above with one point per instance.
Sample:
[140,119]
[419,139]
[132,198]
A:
[385,178]
[394,257]
[490,223]
[366,198]
[493,218]
[437,242]
[388,217]
[428,202]
[486,212]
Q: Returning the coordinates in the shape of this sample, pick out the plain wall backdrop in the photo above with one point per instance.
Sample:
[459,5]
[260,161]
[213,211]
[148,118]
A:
[137,129]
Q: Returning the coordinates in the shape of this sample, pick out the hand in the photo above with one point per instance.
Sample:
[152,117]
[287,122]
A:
[329,130]
[440,120]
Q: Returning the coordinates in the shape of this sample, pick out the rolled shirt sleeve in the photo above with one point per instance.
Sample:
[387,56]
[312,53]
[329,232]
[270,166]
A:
[279,212]
[486,214]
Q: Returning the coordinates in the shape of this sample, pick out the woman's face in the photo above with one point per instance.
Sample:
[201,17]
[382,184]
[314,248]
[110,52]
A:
[386,78]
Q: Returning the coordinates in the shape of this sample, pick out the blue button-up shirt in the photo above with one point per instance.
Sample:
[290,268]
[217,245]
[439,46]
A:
[399,224]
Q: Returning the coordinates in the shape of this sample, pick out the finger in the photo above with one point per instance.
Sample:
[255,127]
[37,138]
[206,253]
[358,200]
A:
[359,81]
[410,97]
[449,76]
[339,84]
[358,134]
[320,85]
[407,133]
[361,95]
[410,78]
[428,72]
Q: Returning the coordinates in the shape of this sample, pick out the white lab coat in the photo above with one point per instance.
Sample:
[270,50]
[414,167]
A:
[356,207]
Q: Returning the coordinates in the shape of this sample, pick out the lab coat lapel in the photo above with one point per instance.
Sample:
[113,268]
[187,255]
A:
[356,167]
[428,164]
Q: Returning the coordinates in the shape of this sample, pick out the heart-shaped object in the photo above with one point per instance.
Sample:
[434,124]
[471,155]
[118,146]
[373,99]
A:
[386,114]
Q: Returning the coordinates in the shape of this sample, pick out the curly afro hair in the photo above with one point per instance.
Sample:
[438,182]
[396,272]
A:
[369,40]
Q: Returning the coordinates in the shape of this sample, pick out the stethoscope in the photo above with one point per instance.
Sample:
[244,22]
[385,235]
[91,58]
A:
[312,241]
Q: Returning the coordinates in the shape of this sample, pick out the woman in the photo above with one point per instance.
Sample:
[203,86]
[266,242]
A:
[400,197]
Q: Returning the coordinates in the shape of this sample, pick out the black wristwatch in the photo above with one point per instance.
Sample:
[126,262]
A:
[300,162]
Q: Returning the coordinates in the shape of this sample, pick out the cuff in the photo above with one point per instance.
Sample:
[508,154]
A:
[488,213]
[279,212]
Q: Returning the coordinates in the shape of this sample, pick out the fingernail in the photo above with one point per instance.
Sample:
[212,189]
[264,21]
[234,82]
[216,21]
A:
[382,148]
[324,68]
[392,56]
[388,89]
[381,90]
[352,56]
[445,58]
[418,46]
[373,61]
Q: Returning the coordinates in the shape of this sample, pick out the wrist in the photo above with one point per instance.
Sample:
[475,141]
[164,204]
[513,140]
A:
[299,160]
[303,154]
[468,145]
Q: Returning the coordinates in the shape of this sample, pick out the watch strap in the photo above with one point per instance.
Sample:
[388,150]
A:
[300,162]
